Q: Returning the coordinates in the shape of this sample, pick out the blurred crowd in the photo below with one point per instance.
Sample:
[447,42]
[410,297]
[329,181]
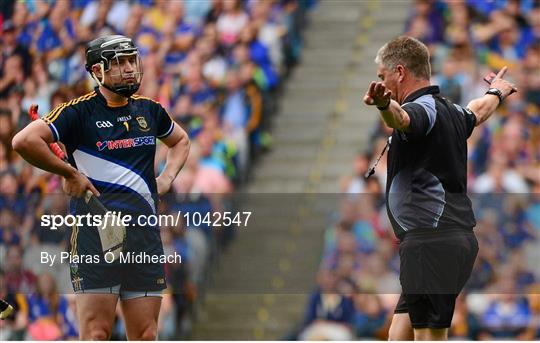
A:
[215,65]
[358,281]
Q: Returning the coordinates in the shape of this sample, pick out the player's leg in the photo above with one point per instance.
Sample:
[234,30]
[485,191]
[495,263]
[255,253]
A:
[141,315]
[142,285]
[96,313]
[95,298]
[400,327]
[429,334]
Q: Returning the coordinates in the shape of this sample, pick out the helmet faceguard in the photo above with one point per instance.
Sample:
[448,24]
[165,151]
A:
[110,53]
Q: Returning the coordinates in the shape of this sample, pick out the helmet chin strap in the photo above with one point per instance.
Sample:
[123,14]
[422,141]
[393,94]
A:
[125,91]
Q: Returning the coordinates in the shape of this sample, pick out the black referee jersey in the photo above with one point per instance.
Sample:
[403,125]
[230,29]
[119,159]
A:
[427,166]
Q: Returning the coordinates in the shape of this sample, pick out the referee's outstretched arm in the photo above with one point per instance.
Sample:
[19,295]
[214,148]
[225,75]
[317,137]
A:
[397,118]
[484,106]
[391,112]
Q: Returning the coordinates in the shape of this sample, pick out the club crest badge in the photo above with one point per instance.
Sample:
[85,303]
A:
[143,126]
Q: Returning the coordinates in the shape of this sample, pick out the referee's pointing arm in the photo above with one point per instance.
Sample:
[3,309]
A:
[484,106]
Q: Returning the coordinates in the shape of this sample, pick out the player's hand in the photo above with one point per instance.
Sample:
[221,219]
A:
[504,86]
[163,185]
[378,95]
[77,184]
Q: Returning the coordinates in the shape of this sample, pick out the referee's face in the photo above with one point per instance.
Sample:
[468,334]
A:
[389,78]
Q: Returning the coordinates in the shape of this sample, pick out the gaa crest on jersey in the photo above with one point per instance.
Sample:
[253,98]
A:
[143,125]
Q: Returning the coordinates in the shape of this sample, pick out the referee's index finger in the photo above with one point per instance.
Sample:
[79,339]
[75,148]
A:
[501,72]
[371,87]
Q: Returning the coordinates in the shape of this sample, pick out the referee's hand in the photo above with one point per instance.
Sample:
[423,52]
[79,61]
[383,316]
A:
[378,95]
[504,86]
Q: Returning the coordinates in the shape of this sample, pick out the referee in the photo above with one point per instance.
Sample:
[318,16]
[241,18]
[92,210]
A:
[427,183]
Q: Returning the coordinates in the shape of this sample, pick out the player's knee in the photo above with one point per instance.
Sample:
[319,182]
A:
[95,330]
[395,334]
[99,334]
[149,334]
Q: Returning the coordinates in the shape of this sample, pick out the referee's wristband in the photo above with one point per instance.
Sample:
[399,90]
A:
[384,108]
[497,93]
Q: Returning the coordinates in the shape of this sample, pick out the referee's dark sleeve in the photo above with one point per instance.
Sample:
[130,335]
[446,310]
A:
[470,119]
[422,116]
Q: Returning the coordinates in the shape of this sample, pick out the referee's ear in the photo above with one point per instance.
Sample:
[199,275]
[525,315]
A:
[401,71]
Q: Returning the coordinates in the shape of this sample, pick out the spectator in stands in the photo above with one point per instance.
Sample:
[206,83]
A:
[178,36]
[450,80]
[259,54]
[49,314]
[5,158]
[500,177]
[356,183]
[212,173]
[231,22]
[271,34]
[508,315]
[11,47]
[13,75]
[9,198]
[56,40]
[104,17]
[425,22]
[17,277]
[214,65]
[8,228]
[370,316]
[329,314]
[235,118]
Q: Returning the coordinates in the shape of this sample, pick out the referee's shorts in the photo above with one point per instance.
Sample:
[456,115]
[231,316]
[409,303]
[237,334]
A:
[434,267]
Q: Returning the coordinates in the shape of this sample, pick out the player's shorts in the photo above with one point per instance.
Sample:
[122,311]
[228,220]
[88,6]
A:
[434,267]
[124,295]
[91,271]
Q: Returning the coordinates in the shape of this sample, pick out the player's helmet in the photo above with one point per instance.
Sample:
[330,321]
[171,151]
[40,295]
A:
[107,51]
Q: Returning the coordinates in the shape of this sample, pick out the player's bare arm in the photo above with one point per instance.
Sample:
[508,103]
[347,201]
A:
[178,144]
[32,144]
[484,106]
[391,112]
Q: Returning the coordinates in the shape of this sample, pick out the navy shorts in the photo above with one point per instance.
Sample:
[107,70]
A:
[89,269]
[434,268]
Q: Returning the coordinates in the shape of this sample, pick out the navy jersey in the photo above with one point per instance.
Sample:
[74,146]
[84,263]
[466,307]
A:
[427,166]
[114,147]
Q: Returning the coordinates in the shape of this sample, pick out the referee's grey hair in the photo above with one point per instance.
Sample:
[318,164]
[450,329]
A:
[407,51]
